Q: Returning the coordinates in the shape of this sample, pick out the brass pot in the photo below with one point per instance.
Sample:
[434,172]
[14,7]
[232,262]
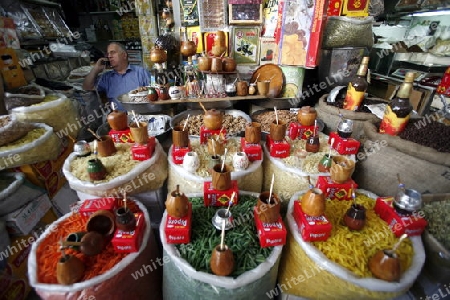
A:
[158,55]
[188,48]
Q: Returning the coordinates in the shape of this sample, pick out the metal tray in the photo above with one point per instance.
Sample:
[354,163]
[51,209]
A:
[141,108]
[235,113]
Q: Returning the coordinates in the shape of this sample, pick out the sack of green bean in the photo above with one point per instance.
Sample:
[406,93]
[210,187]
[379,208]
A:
[187,273]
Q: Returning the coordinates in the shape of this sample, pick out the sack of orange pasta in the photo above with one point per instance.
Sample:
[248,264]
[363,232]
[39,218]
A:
[345,265]
[95,270]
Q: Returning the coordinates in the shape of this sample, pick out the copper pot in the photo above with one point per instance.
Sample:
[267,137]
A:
[307,115]
[277,131]
[385,265]
[180,137]
[106,146]
[188,48]
[158,55]
[313,202]
[117,120]
[268,212]
[341,169]
[221,180]
[222,261]
[212,119]
[204,63]
[253,133]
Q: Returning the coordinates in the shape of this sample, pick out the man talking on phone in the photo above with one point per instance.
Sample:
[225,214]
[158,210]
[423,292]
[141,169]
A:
[120,80]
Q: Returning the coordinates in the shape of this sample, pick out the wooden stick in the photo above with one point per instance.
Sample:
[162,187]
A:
[222,236]
[71,137]
[203,107]
[125,199]
[135,119]
[271,187]
[229,203]
[276,114]
[331,146]
[94,134]
[224,157]
[404,236]
[185,123]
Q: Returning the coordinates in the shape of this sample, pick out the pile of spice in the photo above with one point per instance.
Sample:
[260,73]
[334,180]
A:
[437,213]
[430,134]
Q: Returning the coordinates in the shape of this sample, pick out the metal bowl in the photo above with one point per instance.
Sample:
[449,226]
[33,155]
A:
[140,108]
[233,112]
[409,200]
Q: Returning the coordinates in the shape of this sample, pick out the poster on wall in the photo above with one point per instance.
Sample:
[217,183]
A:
[245,41]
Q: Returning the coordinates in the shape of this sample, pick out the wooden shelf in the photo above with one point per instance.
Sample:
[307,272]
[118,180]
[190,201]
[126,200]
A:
[207,100]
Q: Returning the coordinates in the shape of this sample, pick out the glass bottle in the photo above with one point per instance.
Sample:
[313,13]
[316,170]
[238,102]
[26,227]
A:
[357,87]
[397,112]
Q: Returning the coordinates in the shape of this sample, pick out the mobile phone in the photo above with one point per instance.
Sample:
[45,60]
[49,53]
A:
[106,63]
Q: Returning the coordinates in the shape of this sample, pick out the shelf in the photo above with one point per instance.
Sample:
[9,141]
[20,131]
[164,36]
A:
[104,12]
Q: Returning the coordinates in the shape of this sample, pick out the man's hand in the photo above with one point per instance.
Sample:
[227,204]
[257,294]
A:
[100,65]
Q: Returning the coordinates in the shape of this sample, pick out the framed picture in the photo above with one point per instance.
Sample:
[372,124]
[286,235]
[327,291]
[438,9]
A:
[245,45]
[245,14]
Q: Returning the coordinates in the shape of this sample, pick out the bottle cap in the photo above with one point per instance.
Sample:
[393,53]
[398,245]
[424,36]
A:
[409,77]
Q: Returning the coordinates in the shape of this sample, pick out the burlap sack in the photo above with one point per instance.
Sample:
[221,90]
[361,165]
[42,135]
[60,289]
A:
[407,147]
[377,172]
[330,115]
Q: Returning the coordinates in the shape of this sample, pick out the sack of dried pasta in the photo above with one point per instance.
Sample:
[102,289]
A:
[187,272]
[122,172]
[107,275]
[249,179]
[338,267]
[39,144]
[55,110]
[11,129]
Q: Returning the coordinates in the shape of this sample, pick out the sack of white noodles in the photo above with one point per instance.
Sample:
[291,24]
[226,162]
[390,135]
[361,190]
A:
[107,275]
[55,110]
[40,143]
[249,179]
[187,273]
[338,268]
[122,172]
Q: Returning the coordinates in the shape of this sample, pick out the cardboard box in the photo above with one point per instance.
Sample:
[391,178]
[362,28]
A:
[344,146]
[90,206]
[212,197]
[355,8]
[280,149]
[178,230]
[412,225]
[311,228]
[178,154]
[253,151]
[130,241]
[14,279]
[270,234]
[23,220]
[206,133]
[298,131]
[336,191]
[48,174]
[143,152]
[121,136]
[300,32]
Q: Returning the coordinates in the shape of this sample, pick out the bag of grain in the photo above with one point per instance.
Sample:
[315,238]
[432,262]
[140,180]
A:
[249,179]
[308,272]
[123,173]
[39,144]
[421,168]
[330,115]
[181,280]
[124,280]
[55,110]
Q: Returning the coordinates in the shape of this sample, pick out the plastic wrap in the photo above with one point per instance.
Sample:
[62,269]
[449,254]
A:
[348,32]
[249,179]
[46,147]
[333,279]
[182,281]
[51,114]
[146,176]
[117,283]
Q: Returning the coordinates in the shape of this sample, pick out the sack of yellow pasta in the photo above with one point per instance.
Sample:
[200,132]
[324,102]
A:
[338,268]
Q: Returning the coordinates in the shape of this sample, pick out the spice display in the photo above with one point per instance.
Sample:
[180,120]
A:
[241,239]
[353,249]
[397,112]
[436,213]
[232,124]
[427,135]
[267,117]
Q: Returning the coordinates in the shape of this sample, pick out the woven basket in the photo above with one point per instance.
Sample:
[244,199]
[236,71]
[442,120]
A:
[317,277]
[11,129]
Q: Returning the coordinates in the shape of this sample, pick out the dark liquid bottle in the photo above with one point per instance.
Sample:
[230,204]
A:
[396,115]
[357,87]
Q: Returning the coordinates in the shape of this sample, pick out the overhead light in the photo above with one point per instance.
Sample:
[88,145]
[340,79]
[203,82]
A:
[430,13]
